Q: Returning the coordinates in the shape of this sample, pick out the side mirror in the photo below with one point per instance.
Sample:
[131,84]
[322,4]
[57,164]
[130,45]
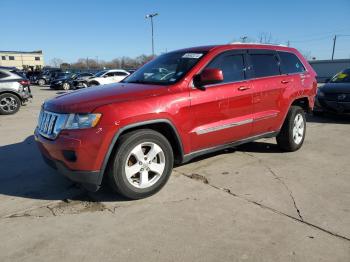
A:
[208,76]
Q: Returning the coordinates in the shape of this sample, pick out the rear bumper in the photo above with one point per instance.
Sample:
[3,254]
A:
[26,95]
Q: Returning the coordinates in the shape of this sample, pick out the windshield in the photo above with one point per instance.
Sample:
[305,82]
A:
[342,77]
[98,74]
[166,69]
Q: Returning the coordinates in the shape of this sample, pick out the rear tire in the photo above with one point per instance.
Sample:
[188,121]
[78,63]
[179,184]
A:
[94,84]
[141,165]
[9,104]
[41,82]
[292,134]
[65,86]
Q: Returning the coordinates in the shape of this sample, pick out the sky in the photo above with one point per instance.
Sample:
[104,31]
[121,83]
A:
[73,29]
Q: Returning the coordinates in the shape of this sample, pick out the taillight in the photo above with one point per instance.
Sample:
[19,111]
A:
[24,82]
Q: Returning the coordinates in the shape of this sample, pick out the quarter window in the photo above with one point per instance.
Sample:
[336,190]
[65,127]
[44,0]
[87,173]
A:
[232,66]
[264,65]
[290,63]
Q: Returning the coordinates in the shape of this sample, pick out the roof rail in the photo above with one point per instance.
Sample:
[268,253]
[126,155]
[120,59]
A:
[252,43]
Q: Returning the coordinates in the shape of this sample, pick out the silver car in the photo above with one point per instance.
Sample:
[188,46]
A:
[14,91]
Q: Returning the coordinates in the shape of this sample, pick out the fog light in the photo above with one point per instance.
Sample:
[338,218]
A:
[69,155]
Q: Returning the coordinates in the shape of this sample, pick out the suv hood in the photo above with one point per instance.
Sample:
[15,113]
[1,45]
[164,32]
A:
[88,99]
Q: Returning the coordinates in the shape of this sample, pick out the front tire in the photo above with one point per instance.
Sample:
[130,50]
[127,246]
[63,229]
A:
[292,134]
[9,104]
[141,165]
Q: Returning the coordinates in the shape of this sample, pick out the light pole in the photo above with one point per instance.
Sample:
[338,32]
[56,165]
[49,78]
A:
[334,41]
[151,17]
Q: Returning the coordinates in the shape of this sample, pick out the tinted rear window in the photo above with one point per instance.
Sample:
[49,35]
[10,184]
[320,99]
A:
[264,65]
[232,66]
[290,63]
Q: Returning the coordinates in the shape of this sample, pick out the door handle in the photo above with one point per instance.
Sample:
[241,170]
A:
[285,81]
[243,88]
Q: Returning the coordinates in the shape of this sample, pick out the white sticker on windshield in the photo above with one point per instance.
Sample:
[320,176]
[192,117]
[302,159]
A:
[192,55]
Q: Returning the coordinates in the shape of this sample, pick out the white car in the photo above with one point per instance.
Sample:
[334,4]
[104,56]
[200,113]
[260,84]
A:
[107,77]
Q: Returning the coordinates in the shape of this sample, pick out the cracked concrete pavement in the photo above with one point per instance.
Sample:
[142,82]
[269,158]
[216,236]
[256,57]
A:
[250,203]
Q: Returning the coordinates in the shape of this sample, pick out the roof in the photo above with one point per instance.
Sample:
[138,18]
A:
[22,52]
[237,45]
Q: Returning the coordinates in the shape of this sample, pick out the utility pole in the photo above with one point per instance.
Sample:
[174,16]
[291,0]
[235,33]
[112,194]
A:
[334,41]
[288,43]
[151,17]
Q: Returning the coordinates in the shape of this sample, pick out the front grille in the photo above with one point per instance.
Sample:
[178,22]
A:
[50,124]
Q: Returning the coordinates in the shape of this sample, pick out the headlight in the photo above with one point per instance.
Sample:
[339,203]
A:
[320,93]
[81,121]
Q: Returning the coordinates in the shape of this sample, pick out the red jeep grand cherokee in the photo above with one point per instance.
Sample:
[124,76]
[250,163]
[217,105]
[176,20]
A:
[180,105]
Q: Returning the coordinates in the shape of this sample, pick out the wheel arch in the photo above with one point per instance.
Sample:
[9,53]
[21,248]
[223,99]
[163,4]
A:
[2,92]
[303,102]
[163,126]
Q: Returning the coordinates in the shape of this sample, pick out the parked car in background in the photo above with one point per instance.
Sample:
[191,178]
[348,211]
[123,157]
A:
[80,81]
[180,105]
[107,77]
[47,76]
[67,81]
[14,91]
[334,96]
[131,71]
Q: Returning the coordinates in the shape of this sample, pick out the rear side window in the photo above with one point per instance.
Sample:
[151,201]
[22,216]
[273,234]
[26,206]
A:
[264,65]
[232,66]
[290,63]
[120,73]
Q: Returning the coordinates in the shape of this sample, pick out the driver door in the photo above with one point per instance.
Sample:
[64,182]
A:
[222,113]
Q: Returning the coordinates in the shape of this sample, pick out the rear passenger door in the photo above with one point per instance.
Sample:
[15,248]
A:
[292,68]
[223,112]
[268,85]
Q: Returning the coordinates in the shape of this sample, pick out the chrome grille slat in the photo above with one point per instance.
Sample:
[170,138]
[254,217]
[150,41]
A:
[50,124]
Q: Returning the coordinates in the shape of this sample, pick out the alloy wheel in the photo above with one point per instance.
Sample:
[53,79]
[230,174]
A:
[144,165]
[298,129]
[8,104]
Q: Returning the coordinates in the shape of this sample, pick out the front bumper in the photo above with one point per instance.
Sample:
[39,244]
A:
[322,104]
[89,179]
[75,168]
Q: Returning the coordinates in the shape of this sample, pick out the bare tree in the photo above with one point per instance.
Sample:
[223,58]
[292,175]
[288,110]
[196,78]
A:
[56,62]
[122,62]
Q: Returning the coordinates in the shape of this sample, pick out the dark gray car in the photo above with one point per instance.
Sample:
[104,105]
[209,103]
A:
[334,96]
[14,91]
